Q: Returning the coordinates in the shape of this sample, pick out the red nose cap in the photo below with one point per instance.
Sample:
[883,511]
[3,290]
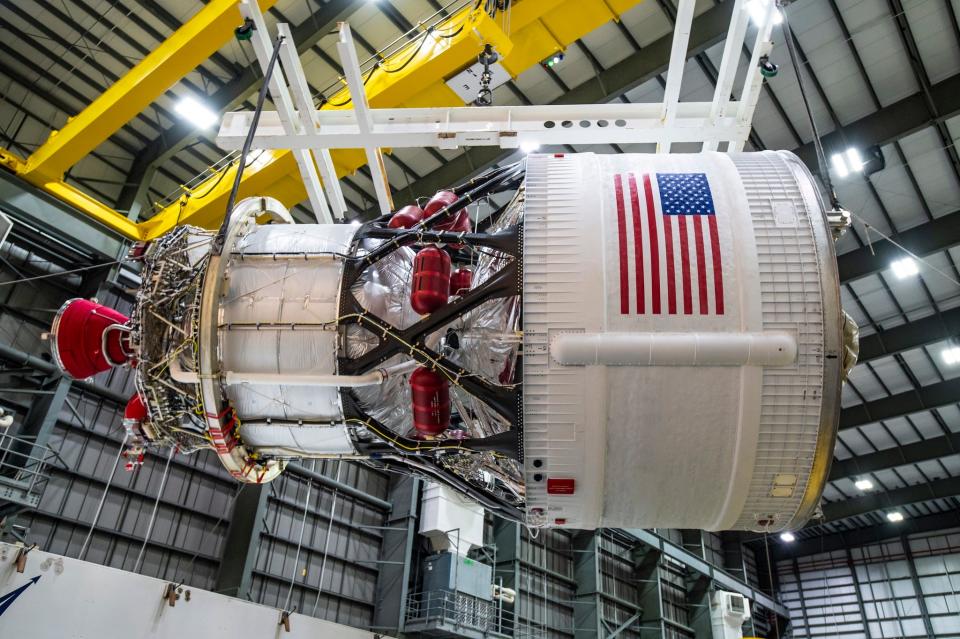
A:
[557,486]
[88,338]
[136,410]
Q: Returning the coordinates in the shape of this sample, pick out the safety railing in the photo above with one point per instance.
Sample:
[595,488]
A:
[23,466]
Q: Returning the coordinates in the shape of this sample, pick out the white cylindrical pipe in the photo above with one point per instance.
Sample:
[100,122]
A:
[674,349]
[300,379]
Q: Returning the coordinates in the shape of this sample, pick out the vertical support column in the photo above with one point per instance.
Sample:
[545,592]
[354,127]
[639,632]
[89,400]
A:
[506,538]
[856,584]
[262,47]
[240,547]
[396,555]
[795,567]
[678,58]
[351,69]
[915,579]
[647,561]
[587,617]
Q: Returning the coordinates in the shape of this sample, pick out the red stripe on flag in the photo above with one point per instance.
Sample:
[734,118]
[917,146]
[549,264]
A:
[622,236]
[654,246]
[637,245]
[685,266]
[717,268]
[701,265]
[671,269]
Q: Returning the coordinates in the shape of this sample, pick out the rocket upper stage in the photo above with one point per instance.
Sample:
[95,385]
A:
[626,340]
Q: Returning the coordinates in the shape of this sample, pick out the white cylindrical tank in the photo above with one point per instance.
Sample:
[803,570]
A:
[682,341]
[666,349]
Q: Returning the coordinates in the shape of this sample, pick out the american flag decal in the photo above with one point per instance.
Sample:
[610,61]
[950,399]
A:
[670,260]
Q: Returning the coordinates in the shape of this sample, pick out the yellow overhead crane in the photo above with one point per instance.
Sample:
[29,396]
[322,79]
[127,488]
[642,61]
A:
[537,29]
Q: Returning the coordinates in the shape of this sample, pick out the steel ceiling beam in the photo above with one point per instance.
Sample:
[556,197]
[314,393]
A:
[229,96]
[863,536]
[914,334]
[892,499]
[182,52]
[930,237]
[917,452]
[923,398]
[893,122]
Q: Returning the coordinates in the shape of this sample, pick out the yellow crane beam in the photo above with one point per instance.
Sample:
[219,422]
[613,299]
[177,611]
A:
[412,77]
[183,51]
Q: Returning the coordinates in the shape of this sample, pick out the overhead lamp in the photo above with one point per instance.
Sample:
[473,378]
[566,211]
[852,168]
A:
[895,516]
[787,537]
[850,161]
[904,268]
[529,146]
[863,484]
[758,12]
[196,113]
[951,355]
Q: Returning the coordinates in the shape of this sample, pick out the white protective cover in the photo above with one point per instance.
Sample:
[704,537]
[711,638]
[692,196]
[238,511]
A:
[286,278]
[670,446]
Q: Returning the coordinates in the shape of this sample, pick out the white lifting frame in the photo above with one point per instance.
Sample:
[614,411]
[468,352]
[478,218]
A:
[720,123]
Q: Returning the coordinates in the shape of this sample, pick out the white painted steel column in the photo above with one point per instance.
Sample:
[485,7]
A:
[728,67]
[300,91]
[263,47]
[754,80]
[351,69]
[678,58]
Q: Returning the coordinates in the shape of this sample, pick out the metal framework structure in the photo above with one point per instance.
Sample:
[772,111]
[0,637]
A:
[902,416]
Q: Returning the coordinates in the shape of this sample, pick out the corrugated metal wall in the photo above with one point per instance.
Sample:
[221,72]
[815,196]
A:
[906,587]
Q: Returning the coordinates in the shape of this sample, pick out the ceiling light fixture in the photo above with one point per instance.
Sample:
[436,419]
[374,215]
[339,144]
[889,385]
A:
[863,484]
[839,166]
[951,355]
[895,517]
[904,268]
[758,11]
[787,537]
[196,113]
[850,161]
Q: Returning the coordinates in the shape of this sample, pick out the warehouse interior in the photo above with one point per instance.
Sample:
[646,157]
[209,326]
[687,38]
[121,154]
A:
[109,119]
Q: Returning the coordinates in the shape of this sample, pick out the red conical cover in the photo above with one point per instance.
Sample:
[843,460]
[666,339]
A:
[84,339]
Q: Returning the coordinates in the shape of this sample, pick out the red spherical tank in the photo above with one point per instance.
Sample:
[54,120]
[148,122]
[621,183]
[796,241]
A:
[438,201]
[406,217]
[88,338]
[431,280]
[460,281]
[431,401]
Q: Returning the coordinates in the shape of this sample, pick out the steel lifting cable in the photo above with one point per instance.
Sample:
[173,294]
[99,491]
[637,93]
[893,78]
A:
[156,505]
[103,498]
[247,145]
[303,526]
[817,142]
[326,542]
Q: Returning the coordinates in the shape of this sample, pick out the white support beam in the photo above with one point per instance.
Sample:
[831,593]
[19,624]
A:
[306,110]
[752,84]
[728,66]
[505,126]
[263,48]
[678,58]
[361,109]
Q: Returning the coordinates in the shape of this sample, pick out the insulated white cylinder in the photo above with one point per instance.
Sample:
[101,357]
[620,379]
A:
[682,334]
